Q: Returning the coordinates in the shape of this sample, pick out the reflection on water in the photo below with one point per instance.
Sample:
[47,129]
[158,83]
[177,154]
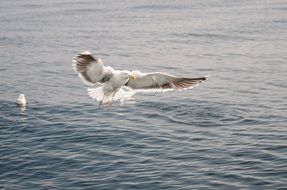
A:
[21,108]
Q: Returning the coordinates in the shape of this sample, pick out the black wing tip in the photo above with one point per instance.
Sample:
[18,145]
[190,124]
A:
[197,79]
[80,61]
[206,77]
[85,55]
[185,83]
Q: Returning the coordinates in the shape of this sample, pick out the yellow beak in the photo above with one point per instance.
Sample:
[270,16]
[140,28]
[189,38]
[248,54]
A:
[133,77]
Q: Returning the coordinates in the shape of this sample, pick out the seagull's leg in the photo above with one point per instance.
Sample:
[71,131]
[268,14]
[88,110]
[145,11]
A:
[110,106]
[114,96]
[111,102]
[101,102]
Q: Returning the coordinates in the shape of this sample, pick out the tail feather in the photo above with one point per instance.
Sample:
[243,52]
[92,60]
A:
[100,95]
[124,93]
[97,93]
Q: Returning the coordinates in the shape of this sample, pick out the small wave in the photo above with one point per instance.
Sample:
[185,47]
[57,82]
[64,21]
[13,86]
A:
[203,114]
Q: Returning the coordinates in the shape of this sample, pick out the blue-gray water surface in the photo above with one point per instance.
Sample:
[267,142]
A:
[228,133]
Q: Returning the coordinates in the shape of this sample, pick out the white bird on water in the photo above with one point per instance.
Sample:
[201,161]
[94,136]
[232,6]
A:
[120,84]
[21,101]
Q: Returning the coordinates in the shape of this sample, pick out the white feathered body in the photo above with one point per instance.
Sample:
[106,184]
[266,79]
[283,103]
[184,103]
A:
[113,89]
[21,101]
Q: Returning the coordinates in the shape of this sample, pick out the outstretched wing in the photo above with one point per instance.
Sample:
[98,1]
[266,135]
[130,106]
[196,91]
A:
[90,69]
[153,82]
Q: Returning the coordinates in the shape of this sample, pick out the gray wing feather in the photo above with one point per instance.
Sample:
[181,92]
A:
[90,69]
[161,81]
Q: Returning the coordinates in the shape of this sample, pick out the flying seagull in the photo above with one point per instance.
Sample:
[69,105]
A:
[120,84]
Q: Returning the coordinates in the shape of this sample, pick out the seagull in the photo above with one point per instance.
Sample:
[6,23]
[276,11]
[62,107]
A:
[121,84]
[21,101]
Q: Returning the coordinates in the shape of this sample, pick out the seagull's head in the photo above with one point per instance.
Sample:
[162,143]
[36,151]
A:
[21,96]
[132,76]
[128,75]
